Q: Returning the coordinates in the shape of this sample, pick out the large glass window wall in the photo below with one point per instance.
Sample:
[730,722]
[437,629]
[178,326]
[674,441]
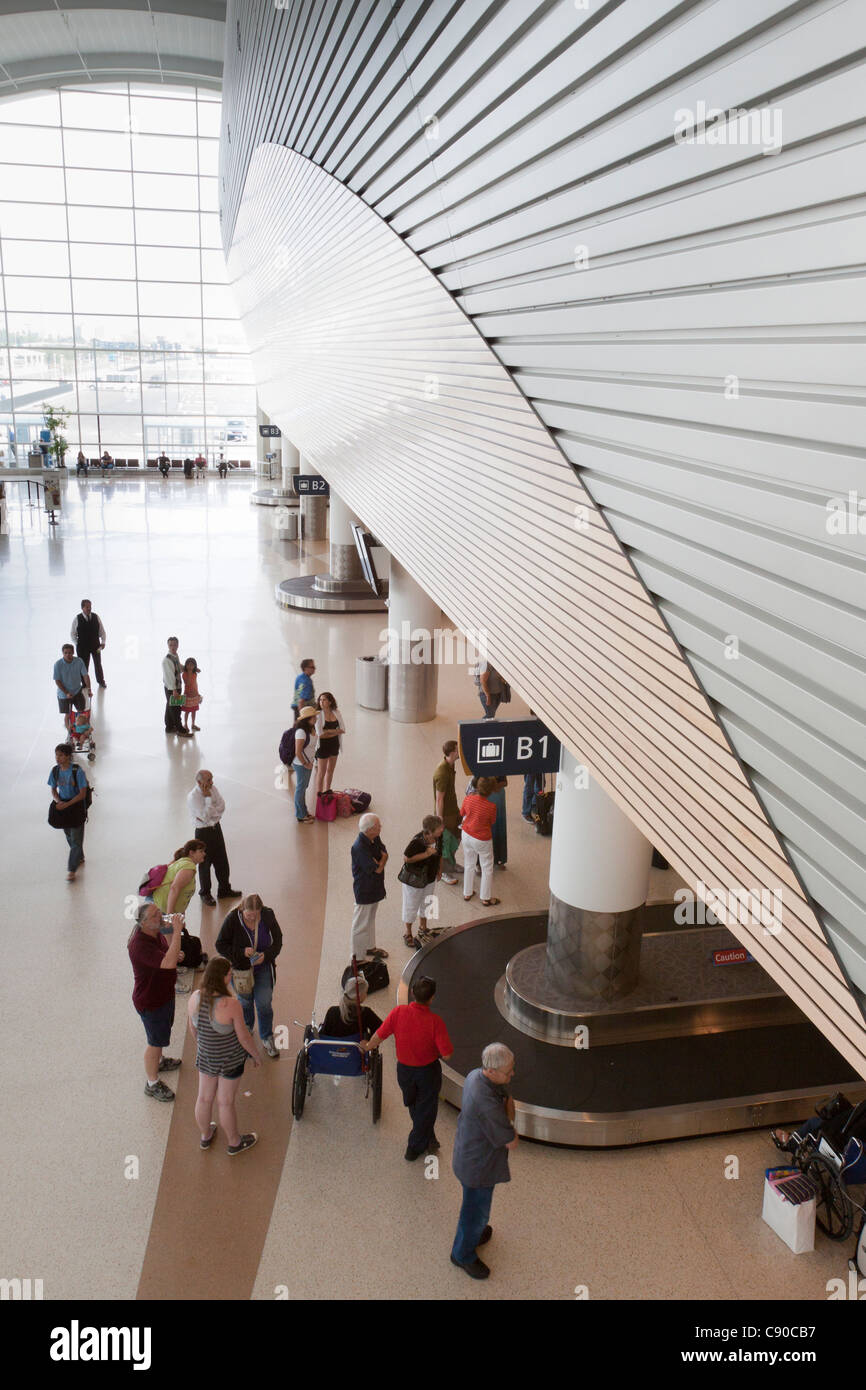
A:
[114,305]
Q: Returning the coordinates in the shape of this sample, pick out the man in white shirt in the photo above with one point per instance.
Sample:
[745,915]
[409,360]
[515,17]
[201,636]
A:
[172,685]
[206,808]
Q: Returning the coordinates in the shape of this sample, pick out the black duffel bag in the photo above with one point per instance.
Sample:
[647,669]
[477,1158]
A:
[375,972]
[67,817]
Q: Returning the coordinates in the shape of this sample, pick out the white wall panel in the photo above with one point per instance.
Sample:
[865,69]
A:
[707,265]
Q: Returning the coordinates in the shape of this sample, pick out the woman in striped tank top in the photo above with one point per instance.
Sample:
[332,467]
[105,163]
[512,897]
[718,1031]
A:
[216,1021]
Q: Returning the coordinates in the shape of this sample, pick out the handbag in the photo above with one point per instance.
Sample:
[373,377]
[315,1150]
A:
[243,981]
[70,817]
[67,817]
[177,700]
[413,875]
[326,806]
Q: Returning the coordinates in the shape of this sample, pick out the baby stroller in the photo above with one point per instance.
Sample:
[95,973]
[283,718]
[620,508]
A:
[830,1148]
[81,733]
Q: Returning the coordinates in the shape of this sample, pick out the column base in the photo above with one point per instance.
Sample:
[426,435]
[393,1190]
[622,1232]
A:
[327,595]
[680,993]
[591,954]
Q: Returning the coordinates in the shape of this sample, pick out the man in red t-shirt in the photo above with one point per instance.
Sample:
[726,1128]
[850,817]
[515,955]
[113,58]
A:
[421,1038]
[154,966]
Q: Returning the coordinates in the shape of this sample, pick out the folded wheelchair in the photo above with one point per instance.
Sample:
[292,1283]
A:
[830,1148]
[335,1057]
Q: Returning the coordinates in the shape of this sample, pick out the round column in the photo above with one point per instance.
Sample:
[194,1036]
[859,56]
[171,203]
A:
[266,445]
[413,676]
[314,511]
[599,878]
[345,562]
[291,464]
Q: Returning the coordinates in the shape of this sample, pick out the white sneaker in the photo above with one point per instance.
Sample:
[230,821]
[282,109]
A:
[270,1048]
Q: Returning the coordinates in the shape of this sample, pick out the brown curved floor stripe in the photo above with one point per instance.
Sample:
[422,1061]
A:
[212,1212]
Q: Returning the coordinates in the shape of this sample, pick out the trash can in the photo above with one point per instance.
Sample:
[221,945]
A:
[287,523]
[371,682]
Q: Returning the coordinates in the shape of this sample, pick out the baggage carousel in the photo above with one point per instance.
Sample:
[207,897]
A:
[698,1049]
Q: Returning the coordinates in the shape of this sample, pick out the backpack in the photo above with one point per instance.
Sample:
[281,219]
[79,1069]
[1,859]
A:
[192,952]
[344,804]
[375,972]
[360,800]
[287,747]
[152,879]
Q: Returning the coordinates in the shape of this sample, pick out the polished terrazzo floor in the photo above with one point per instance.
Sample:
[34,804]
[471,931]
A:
[106,1193]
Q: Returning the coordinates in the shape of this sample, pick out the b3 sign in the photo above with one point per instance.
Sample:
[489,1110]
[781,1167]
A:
[506,747]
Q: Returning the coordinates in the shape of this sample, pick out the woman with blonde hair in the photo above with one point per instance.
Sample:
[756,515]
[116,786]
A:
[223,1043]
[251,939]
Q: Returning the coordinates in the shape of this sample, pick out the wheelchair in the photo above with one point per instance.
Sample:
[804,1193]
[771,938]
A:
[335,1057]
[831,1150]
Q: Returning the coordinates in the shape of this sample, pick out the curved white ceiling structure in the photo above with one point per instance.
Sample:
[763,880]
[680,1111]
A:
[46,43]
[681,314]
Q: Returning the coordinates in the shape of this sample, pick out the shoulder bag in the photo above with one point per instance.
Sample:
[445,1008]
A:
[244,980]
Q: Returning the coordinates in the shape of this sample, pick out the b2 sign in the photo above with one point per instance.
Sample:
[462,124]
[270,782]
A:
[506,747]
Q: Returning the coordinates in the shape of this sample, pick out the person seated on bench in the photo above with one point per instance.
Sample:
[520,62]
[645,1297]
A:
[163,463]
[81,464]
[341,1020]
[200,462]
[106,461]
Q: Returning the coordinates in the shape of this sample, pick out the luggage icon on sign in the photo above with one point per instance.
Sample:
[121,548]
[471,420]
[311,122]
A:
[491,750]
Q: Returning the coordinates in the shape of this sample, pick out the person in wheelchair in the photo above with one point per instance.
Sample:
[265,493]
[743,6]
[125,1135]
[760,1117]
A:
[341,1020]
[837,1121]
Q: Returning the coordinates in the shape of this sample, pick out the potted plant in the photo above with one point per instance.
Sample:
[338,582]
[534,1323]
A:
[55,422]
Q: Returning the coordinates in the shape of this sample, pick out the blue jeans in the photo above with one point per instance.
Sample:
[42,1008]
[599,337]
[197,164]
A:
[489,703]
[302,778]
[474,1215]
[263,993]
[532,782]
[75,840]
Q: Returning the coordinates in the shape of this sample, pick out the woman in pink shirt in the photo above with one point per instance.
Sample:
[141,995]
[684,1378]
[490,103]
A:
[478,816]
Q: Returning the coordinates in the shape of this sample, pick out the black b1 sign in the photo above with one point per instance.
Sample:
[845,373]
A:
[306,484]
[505,747]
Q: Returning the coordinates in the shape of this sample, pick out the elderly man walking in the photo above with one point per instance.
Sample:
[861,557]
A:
[207,808]
[369,858]
[485,1133]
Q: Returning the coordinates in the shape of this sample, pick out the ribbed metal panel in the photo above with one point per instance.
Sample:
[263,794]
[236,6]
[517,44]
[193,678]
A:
[702,369]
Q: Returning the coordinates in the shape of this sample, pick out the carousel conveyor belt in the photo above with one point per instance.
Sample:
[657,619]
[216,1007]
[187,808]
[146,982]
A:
[628,1093]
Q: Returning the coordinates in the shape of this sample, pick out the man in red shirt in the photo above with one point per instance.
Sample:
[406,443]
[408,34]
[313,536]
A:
[421,1038]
